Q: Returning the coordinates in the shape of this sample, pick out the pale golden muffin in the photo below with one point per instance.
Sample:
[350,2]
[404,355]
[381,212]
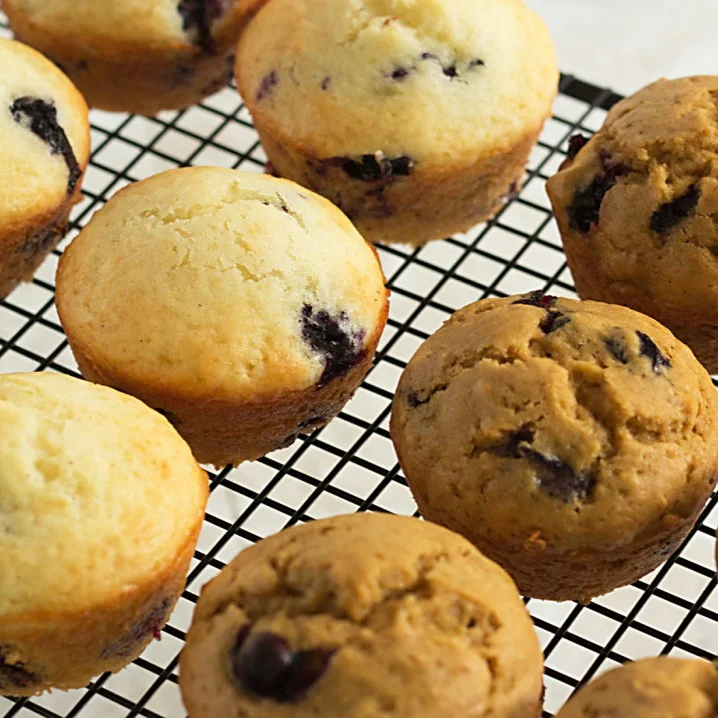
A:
[651,688]
[416,117]
[360,617]
[136,55]
[575,443]
[244,307]
[101,506]
[44,150]
[637,206]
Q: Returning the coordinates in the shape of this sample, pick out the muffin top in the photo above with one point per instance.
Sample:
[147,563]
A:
[107,24]
[44,136]
[557,424]
[418,81]
[643,193]
[373,615]
[652,688]
[85,475]
[218,283]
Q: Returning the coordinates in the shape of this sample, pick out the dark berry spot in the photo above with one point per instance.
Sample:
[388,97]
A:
[617,349]
[552,321]
[477,63]
[674,212]
[268,83]
[401,73]
[648,348]
[415,398]
[326,82]
[553,476]
[332,338]
[150,625]
[451,71]
[586,205]
[538,299]
[372,168]
[41,242]
[264,664]
[428,56]
[14,674]
[512,192]
[198,16]
[575,145]
[40,118]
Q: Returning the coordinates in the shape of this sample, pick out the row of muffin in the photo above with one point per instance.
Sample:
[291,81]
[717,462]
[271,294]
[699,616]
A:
[360,615]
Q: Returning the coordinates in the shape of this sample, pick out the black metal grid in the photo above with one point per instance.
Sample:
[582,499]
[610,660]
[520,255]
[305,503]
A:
[350,465]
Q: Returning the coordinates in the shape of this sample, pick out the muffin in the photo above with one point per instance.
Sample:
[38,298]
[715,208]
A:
[651,688]
[637,207]
[101,506]
[574,443]
[415,118]
[243,307]
[44,150]
[136,55]
[362,616]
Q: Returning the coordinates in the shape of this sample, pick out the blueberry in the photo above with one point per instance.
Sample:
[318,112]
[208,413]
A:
[552,321]
[372,168]
[553,476]
[477,63]
[671,213]
[401,73]
[267,85]
[617,349]
[264,664]
[150,625]
[330,336]
[648,348]
[538,299]
[576,144]
[40,118]
[198,16]
[326,82]
[414,399]
[585,207]
[15,675]
[451,71]
[40,242]
[428,56]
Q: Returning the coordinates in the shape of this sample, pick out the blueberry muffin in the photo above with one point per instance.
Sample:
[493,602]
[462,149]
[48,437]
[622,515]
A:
[362,616]
[44,150]
[101,506]
[415,118]
[136,55]
[244,307]
[637,207]
[574,443]
[651,688]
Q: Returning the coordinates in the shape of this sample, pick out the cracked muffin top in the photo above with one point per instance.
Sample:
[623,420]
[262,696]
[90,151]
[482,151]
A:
[572,424]
[220,283]
[643,193]
[471,77]
[107,24]
[362,616]
[652,688]
[44,136]
[85,472]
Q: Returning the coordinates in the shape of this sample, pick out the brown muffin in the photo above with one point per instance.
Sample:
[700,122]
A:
[362,616]
[416,119]
[44,150]
[101,507]
[244,307]
[136,55]
[575,443]
[637,207]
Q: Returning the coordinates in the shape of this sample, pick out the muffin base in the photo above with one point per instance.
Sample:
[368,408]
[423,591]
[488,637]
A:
[222,431]
[429,203]
[24,250]
[699,332]
[545,573]
[43,651]
[143,83]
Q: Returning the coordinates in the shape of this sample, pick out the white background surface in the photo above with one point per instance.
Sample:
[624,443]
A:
[625,44]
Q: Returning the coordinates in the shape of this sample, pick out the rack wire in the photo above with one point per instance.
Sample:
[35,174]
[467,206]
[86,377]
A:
[350,465]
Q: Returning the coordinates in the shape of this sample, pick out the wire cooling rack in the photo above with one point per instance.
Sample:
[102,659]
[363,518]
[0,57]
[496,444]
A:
[350,465]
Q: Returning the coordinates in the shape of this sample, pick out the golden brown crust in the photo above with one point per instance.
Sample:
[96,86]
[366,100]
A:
[221,431]
[104,638]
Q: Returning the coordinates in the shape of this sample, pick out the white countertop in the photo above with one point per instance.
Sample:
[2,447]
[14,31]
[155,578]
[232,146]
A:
[625,44]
